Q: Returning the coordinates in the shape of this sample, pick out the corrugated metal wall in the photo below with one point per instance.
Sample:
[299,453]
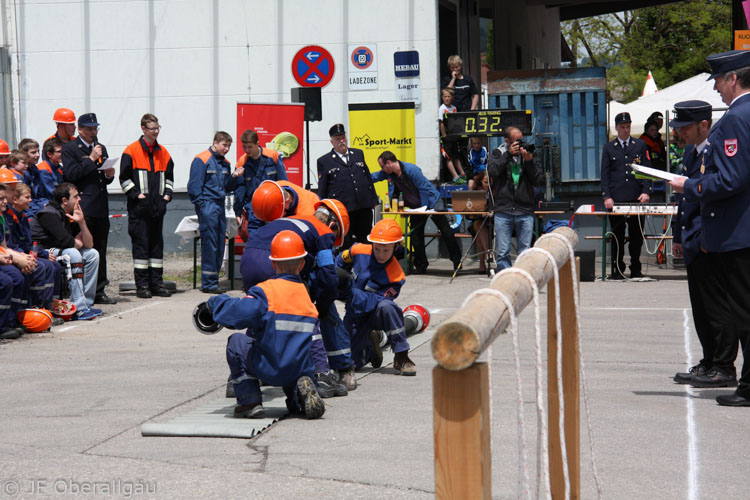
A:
[569,116]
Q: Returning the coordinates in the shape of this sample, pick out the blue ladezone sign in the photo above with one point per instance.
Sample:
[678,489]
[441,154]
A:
[406,63]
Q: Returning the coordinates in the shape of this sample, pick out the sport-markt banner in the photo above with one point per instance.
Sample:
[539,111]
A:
[279,127]
[385,126]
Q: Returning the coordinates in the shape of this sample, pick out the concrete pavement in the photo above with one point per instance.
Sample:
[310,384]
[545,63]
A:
[72,403]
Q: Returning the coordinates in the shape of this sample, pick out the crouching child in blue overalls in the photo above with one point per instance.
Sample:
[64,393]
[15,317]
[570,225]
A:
[378,279]
[280,322]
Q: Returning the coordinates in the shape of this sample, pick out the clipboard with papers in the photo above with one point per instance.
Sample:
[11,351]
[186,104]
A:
[643,172]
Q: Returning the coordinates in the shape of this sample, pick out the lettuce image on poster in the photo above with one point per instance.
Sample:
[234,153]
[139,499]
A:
[286,143]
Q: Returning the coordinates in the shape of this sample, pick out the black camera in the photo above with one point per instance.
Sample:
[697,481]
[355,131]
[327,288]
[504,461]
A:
[525,145]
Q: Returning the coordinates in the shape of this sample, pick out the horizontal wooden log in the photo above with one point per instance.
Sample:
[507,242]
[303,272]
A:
[465,335]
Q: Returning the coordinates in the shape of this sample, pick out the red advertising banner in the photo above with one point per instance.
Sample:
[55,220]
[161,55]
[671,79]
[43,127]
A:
[280,127]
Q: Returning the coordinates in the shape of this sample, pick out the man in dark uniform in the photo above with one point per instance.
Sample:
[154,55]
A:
[343,175]
[82,159]
[147,178]
[724,195]
[710,308]
[620,185]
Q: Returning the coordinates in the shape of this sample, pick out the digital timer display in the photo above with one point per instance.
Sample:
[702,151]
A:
[487,122]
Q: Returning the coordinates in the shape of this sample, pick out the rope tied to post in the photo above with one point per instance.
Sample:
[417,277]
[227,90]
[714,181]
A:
[542,461]
[523,471]
[587,409]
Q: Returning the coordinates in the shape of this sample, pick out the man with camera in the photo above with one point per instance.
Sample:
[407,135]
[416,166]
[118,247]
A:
[513,173]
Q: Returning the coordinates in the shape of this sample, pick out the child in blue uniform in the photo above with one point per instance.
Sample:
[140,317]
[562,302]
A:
[281,321]
[477,161]
[378,279]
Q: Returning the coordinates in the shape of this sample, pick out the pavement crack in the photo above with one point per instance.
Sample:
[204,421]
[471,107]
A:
[86,451]
[263,452]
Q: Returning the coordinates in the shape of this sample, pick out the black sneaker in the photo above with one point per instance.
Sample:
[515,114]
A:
[714,378]
[249,411]
[616,276]
[687,377]
[376,360]
[309,399]
[10,334]
[329,386]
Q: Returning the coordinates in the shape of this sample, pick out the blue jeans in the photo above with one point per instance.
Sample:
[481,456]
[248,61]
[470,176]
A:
[85,266]
[504,226]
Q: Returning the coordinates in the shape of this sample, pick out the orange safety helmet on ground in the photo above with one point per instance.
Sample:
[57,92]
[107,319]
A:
[64,115]
[338,210]
[268,201]
[287,245]
[4,149]
[386,231]
[7,177]
[35,320]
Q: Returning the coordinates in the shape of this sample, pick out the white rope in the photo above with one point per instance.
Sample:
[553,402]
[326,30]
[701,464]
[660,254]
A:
[542,460]
[523,474]
[574,271]
[561,397]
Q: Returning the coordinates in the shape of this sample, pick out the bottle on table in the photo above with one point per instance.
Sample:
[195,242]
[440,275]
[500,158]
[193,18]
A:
[401,202]
[387,204]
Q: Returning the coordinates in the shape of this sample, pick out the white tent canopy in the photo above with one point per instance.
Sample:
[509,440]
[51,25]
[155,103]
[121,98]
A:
[695,88]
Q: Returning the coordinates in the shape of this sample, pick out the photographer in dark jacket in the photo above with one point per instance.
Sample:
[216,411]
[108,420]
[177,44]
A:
[513,175]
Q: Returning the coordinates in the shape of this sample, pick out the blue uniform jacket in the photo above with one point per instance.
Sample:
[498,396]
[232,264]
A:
[687,228]
[428,195]
[319,264]
[49,178]
[20,233]
[350,184]
[280,318]
[373,281]
[245,186]
[209,176]
[617,179]
[724,190]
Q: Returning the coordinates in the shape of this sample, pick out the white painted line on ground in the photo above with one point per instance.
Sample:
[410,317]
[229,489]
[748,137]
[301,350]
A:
[692,436]
[637,308]
[105,318]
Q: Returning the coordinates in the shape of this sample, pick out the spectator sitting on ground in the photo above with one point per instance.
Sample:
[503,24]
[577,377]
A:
[61,228]
[40,274]
[17,164]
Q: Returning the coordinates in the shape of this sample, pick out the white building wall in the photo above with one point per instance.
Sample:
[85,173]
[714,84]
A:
[190,61]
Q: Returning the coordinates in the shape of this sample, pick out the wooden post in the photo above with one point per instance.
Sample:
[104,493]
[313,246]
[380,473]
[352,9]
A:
[570,364]
[461,420]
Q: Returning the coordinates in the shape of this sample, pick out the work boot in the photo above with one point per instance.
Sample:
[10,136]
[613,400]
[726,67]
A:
[329,386]
[714,378]
[403,364]
[376,360]
[143,293]
[687,377]
[348,378]
[254,410]
[309,399]
[160,291]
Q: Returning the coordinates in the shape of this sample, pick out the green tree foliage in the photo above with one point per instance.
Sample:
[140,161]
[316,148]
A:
[671,40]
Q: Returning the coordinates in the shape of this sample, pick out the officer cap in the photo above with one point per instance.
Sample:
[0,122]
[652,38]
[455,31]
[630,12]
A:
[725,62]
[88,120]
[687,112]
[622,118]
[337,129]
